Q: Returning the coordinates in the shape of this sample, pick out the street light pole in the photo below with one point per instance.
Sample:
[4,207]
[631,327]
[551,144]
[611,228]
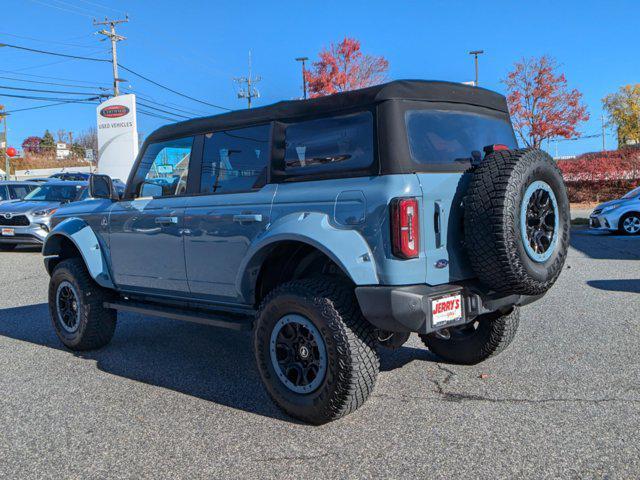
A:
[475,54]
[304,71]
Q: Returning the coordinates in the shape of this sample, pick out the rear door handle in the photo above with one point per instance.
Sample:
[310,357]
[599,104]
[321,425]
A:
[247,217]
[166,220]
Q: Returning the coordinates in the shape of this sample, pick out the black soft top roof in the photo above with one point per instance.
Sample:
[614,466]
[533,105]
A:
[430,91]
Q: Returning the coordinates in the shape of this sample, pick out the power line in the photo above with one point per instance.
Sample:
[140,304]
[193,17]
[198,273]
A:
[4,87]
[52,78]
[46,106]
[46,52]
[172,90]
[53,99]
[149,114]
[61,8]
[50,83]
[161,110]
[101,6]
[47,41]
[79,57]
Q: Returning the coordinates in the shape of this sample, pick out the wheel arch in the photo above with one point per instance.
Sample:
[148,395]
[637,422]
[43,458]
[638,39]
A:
[74,237]
[305,235]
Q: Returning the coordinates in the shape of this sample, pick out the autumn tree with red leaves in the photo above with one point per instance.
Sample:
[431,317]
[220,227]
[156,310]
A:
[31,144]
[541,104]
[344,67]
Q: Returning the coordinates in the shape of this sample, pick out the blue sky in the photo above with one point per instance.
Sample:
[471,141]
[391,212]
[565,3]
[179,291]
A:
[198,46]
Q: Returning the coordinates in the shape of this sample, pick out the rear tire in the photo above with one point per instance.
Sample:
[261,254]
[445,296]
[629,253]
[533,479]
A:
[473,343]
[7,247]
[630,224]
[76,307]
[321,314]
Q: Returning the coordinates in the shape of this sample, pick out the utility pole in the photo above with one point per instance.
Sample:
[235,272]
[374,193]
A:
[604,146]
[304,75]
[251,91]
[115,38]
[7,167]
[475,54]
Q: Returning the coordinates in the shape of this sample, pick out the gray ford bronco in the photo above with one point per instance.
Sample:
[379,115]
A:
[330,227]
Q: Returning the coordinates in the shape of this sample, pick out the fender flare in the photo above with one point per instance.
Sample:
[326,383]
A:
[346,247]
[78,232]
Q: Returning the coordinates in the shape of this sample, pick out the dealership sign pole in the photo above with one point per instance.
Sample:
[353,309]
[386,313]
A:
[117,136]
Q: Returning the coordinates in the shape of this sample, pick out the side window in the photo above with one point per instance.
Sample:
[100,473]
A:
[18,191]
[329,144]
[235,160]
[4,195]
[164,168]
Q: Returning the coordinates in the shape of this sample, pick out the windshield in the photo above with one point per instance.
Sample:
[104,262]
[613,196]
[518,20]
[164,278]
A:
[633,193]
[448,136]
[55,193]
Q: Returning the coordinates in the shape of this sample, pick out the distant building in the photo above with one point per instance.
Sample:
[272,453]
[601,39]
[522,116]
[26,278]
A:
[62,150]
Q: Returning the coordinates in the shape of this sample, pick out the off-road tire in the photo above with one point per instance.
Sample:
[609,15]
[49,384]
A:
[97,324]
[493,334]
[7,247]
[621,223]
[352,361]
[492,222]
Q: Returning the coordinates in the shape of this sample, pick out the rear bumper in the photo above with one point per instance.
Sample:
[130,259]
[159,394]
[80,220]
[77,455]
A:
[408,308]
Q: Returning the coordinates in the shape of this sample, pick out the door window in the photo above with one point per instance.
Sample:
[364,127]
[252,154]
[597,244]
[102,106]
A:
[235,160]
[164,168]
[19,191]
[4,195]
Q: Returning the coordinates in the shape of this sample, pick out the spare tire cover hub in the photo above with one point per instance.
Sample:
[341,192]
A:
[539,221]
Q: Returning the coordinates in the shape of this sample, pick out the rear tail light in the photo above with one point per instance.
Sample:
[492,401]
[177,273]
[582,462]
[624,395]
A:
[405,227]
[496,147]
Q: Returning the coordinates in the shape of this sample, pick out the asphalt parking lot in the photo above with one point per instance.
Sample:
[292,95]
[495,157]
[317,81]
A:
[170,399]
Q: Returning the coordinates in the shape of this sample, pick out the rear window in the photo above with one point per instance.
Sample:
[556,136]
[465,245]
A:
[329,144]
[449,136]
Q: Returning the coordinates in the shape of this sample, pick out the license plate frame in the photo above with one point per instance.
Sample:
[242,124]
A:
[447,314]
[8,232]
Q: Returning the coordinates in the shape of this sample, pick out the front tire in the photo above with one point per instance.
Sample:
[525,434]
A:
[76,307]
[487,336]
[314,350]
[630,224]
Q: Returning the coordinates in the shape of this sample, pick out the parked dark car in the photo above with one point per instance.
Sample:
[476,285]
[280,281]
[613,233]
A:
[71,176]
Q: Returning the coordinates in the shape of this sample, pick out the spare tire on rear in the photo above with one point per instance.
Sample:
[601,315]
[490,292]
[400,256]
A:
[517,221]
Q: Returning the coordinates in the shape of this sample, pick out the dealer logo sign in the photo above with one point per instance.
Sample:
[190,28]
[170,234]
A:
[114,111]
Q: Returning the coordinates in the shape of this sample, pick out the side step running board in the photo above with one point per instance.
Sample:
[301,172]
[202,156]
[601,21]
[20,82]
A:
[214,319]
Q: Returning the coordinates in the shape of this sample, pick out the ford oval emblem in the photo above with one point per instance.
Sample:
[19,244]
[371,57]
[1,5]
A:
[114,111]
[442,263]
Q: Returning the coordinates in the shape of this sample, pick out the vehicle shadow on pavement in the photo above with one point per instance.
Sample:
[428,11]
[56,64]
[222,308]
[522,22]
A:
[200,361]
[211,364]
[629,285]
[605,246]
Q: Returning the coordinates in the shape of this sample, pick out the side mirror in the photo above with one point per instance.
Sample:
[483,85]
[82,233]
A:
[149,189]
[101,186]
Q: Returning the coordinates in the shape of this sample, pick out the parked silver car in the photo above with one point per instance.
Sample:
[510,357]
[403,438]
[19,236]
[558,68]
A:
[10,190]
[27,221]
[622,215]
